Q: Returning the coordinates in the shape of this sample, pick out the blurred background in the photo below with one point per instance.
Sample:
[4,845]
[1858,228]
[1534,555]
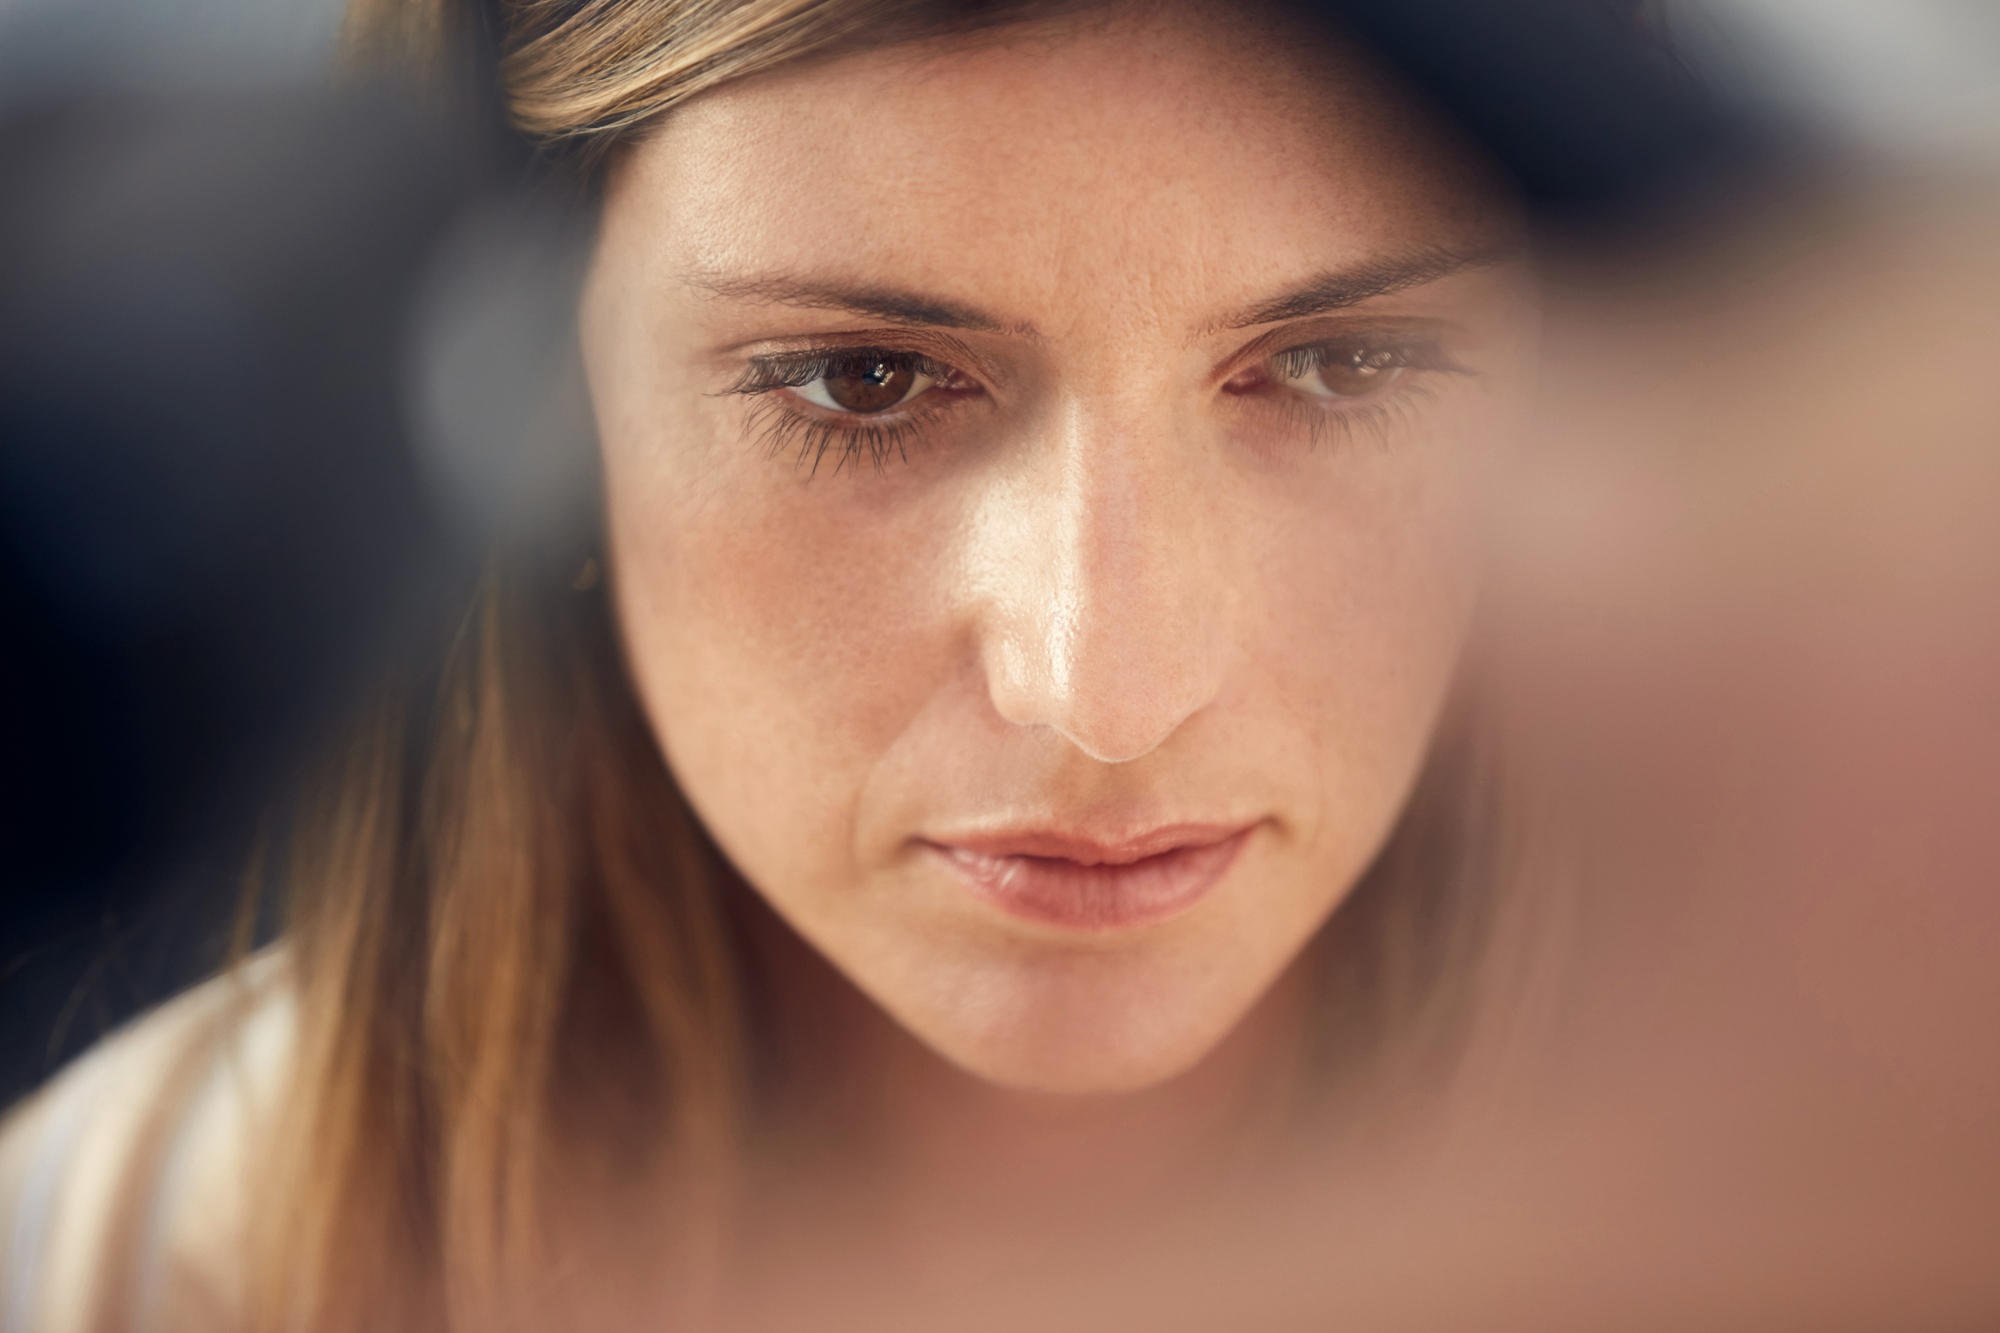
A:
[198,42]
[213,526]
[281,351]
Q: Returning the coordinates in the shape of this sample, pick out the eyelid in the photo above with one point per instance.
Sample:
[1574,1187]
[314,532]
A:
[809,437]
[939,347]
[791,422]
[1427,335]
[795,370]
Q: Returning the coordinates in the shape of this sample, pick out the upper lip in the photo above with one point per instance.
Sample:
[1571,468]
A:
[1056,844]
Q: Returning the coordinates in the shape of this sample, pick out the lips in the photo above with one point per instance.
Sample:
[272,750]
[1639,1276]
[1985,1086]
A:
[1081,884]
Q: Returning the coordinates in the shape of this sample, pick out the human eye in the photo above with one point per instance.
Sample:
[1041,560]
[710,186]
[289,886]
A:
[854,401]
[864,382]
[1343,370]
[1352,382]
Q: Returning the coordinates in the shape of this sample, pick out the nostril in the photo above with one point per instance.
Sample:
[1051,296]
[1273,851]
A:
[1115,706]
[1121,729]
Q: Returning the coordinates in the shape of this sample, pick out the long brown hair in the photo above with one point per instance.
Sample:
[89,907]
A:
[505,925]
[506,929]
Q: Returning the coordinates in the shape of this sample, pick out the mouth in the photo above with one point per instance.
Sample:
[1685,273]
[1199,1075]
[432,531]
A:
[1082,884]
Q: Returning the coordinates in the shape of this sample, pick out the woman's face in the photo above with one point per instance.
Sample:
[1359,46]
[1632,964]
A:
[1039,477]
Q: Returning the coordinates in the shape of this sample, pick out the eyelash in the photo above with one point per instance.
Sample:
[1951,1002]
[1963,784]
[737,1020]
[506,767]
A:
[1377,418]
[797,370]
[808,437]
[879,438]
[1377,415]
[1419,354]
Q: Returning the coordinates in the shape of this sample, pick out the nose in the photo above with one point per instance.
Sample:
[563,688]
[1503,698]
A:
[1104,591]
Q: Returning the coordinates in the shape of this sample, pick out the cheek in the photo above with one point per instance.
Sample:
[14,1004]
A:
[781,632]
[1364,589]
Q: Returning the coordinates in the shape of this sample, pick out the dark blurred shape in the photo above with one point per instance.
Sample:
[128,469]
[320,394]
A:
[212,526]
[1580,102]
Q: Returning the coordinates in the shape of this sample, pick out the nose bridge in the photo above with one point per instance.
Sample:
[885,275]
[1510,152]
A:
[1109,638]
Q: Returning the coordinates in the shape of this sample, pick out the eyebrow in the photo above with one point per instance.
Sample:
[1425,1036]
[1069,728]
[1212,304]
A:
[1328,292]
[875,302]
[1351,286]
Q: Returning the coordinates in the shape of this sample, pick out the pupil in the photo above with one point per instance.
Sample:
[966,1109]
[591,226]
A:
[869,386]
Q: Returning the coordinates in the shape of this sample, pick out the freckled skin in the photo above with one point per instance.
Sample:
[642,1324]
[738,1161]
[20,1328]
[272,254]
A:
[1101,591]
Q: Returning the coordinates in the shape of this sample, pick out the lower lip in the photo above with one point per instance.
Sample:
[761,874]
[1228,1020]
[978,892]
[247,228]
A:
[1055,891]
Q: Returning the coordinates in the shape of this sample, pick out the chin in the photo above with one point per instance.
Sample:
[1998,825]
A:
[1085,1072]
[1079,1037]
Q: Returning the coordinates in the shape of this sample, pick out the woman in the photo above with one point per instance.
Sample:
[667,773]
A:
[971,784]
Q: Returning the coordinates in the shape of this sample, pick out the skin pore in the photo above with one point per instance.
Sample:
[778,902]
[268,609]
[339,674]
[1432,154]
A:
[1030,456]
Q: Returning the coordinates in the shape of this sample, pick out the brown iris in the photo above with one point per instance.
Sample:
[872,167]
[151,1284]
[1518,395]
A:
[1353,373]
[869,384]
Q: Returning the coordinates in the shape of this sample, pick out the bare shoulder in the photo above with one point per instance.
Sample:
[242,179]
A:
[145,1137]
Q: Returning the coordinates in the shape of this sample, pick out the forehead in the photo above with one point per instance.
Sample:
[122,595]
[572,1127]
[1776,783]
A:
[1157,155]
